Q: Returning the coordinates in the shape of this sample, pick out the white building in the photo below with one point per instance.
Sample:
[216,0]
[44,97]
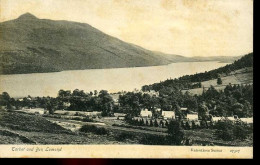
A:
[192,117]
[216,119]
[232,118]
[168,114]
[247,120]
[184,109]
[146,113]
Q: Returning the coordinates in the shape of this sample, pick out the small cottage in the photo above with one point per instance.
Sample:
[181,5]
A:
[247,120]
[146,113]
[192,117]
[168,114]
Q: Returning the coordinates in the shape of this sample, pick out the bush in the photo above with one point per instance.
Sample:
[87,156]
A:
[225,130]
[77,114]
[219,81]
[134,122]
[175,132]
[151,123]
[203,124]
[125,135]
[241,131]
[146,123]
[187,125]
[141,122]
[154,140]
[57,116]
[193,125]
[77,118]
[66,113]
[87,119]
[94,129]
[156,123]
[162,124]
[166,123]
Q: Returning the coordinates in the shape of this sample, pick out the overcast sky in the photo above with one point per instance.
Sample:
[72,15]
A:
[184,27]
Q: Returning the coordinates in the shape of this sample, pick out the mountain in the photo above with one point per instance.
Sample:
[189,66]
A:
[29,45]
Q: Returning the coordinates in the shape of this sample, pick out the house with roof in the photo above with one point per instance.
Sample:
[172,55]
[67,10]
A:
[192,117]
[146,113]
[216,119]
[247,120]
[233,118]
[168,114]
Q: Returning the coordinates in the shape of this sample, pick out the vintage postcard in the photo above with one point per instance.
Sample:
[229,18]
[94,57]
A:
[126,79]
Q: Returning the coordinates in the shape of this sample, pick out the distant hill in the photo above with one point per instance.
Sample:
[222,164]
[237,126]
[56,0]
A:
[32,45]
[224,59]
[241,67]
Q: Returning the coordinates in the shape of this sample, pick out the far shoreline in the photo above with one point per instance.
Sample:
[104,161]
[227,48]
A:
[28,73]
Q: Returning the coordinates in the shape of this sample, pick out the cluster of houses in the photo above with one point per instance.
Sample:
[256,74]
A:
[167,115]
[188,117]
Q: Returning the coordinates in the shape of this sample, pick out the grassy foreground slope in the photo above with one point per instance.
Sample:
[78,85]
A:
[18,128]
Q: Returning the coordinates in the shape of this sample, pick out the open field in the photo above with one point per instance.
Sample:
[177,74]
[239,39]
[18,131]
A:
[19,128]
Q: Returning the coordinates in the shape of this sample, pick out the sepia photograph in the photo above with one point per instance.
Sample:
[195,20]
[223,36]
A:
[126,78]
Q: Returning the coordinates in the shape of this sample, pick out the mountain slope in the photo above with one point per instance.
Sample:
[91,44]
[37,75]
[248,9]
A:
[29,44]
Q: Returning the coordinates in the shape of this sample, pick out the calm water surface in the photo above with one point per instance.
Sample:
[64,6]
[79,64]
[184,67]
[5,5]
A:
[113,80]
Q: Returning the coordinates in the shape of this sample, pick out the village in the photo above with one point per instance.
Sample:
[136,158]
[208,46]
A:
[188,119]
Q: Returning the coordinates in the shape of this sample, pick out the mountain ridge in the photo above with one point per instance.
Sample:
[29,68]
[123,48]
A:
[32,45]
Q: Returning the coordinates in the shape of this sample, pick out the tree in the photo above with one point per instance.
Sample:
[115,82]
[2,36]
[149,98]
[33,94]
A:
[141,122]
[248,109]
[95,92]
[225,129]
[175,132]
[151,123]
[219,81]
[63,94]
[203,111]
[131,103]
[50,107]
[146,122]
[166,123]
[238,109]
[106,103]
[240,131]
[156,123]
[199,85]
[5,99]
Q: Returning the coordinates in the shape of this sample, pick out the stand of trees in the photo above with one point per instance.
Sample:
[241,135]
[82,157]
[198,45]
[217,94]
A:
[233,100]
[77,100]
